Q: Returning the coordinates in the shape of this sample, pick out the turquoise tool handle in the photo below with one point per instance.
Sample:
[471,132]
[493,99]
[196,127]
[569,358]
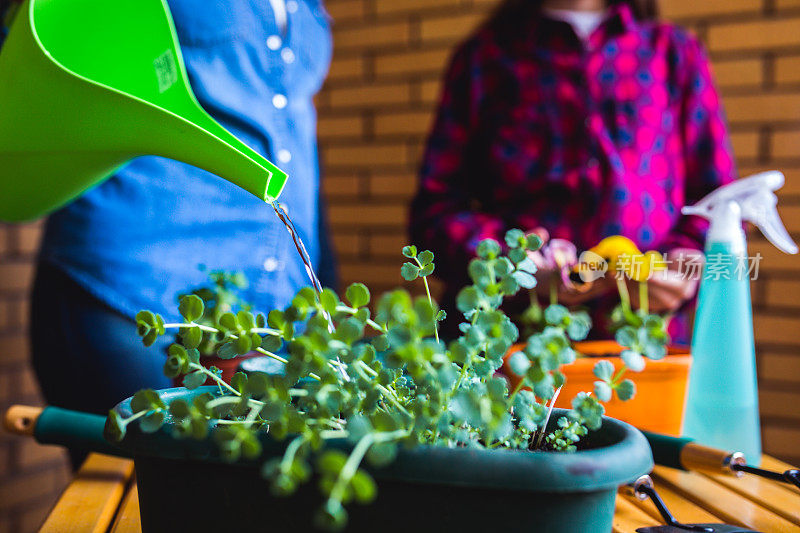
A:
[667,449]
[74,429]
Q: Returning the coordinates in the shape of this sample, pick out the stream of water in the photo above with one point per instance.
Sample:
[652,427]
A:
[301,250]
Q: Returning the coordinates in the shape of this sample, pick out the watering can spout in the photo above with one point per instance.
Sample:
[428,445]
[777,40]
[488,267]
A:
[75,110]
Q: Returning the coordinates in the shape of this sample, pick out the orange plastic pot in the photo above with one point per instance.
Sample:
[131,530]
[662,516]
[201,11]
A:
[660,387]
[228,367]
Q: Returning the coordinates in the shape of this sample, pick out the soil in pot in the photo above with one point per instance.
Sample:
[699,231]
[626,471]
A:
[660,387]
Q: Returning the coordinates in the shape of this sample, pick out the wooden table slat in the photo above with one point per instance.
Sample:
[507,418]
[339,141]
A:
[128,520]
[90,502]
[769,494]
[682,509]
[729,506]
[629,516]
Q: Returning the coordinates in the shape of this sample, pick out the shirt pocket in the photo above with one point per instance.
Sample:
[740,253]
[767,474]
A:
[211,21]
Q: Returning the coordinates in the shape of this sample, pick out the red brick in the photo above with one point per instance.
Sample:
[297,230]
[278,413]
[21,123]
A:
[370,96]
[32,518]
[684,9]
[346,10]
[403,185]
[341,186]
[16,275]
[387,7]
[30,455]
[346,68]
[14,348]
[765,107]
[787,69]
[781,441]
[406,63]
[739,73]
[28,237]
[745,144]
[779,404]
[330,128]
[395,34]
[27,487]
[388,246]
[776,366]
[770,33]
[785,144]
[450,28]
[367,215]
[404,123]
[366,155]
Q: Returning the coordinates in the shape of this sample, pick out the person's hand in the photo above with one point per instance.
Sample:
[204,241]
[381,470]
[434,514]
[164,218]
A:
[553,262]
[669,289]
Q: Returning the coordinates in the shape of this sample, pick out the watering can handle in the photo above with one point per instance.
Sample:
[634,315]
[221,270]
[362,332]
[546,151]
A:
[62,427]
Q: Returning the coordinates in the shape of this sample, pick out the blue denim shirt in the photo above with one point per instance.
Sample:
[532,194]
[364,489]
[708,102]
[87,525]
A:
[137,240]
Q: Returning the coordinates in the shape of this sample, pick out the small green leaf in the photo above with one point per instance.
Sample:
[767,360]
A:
[152,422]
[194,380]
[115,427]
[488,249]
[626,390]
[243,344]
[603,370]
[425,257]
[364,488]
[602,390]
[382,454]
[519,363]
[409,271]
[192,337]
[525,280]
[358,295]
[410,251]
[534,242]
[229,322]
[191,307]
[515,238]
[427,270]
[328,300]
[633,360]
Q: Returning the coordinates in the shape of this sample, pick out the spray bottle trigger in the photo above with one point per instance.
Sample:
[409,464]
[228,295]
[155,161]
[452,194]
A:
[773,229]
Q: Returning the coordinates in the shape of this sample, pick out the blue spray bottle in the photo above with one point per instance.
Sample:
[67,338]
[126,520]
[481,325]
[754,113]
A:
[722,398]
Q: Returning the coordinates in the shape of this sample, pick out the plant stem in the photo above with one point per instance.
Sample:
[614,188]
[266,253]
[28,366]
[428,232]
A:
[553,292]
[291,451]
[547,418]
[516,390]
[430,301]
[644,303]
[624,295]
[213,376]
[351,465]
[371,323]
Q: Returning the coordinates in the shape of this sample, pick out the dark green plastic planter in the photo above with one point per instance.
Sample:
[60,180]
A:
[183,486]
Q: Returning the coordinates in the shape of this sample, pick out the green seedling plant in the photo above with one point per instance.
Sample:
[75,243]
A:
[351,396]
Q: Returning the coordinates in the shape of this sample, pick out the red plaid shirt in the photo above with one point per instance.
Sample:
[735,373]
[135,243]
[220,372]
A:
[537,128]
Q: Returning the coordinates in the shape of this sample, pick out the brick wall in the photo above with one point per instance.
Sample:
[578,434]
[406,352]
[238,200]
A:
[377,106]
[374,113]
[31,476]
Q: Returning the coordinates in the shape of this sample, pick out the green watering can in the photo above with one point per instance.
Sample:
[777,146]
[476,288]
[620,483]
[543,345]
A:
[87,85]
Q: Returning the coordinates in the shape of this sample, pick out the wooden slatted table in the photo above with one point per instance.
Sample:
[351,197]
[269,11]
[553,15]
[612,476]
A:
[103,497]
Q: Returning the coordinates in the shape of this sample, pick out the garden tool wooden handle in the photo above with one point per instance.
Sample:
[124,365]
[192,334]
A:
[21,419]
[685,454]
[62,427]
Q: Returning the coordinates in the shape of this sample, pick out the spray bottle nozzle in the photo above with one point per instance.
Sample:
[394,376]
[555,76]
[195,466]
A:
[751,199]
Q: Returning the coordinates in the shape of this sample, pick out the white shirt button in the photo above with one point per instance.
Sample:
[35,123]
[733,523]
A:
[287,55]
[271,264]
[291,6]
[284,156]
[279,101]
[274,42]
